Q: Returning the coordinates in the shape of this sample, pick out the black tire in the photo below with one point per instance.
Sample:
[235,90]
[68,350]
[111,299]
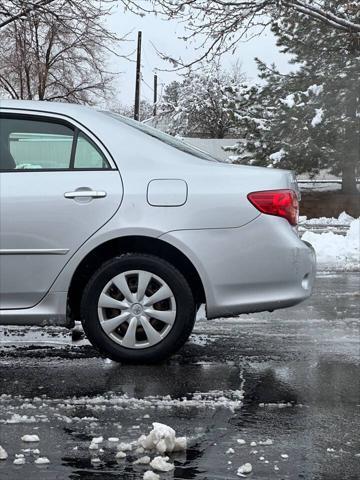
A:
[185,311]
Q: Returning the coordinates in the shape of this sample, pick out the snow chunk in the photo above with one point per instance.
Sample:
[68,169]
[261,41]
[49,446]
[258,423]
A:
[244,470]
[319,115]
[113,439]
[284,455]
[253,444]
[180,444]
[142,461]
[30,438]
[3,453]
[19,461]
[42,461]
[162,438]
[240,441]
[149,475]
[230,451]
[162,464]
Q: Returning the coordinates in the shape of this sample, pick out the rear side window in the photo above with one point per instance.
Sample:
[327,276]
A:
[38,144]
[88,155]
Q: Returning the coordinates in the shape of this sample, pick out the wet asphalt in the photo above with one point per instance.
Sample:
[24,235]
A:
[291,376]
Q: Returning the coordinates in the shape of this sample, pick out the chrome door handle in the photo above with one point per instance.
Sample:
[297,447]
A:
[85,194]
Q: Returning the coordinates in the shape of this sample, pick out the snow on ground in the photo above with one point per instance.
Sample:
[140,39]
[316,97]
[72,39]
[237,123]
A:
[337,252]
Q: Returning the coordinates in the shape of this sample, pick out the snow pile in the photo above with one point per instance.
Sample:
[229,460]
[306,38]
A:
[344,219]
[336,251]
[162,438]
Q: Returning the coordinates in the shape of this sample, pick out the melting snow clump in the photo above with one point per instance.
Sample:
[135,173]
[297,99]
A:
[284,455]
[149,475]
[230,451]
[97,440]
[162,464]
[240,441]
[30,438]
[3,453]
[162,438]
[266,442]
[120,455]
[19,461]
[142,461]
[244,469]
[124,447]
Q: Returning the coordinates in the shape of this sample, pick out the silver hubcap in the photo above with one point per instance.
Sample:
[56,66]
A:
[137,309]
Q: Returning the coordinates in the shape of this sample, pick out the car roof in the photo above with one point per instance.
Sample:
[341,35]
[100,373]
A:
[44,106]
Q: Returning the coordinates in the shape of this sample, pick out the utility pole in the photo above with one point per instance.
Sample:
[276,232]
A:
[138,79]
[155,94]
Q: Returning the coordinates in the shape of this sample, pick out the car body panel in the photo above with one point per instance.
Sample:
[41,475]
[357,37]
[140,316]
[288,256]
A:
[246,261]
[36,227]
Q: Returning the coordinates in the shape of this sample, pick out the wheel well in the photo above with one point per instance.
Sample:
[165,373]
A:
[136,244]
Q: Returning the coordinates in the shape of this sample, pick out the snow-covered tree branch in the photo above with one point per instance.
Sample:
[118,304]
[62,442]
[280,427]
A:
[219,25]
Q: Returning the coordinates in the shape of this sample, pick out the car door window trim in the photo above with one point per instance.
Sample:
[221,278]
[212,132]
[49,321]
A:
[57,118]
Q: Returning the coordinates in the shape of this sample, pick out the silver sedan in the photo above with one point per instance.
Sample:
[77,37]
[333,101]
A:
[130,230]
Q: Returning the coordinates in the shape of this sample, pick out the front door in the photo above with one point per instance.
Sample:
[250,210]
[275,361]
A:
[57,188]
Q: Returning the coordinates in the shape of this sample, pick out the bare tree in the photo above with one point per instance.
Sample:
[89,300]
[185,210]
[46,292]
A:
[221,24]
[58,55]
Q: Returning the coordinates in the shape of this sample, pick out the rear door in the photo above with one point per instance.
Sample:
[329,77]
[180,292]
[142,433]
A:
[58,186]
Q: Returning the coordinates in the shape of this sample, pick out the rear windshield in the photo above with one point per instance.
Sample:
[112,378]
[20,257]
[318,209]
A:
[164,137]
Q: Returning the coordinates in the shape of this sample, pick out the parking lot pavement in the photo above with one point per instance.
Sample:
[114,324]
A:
[280,391]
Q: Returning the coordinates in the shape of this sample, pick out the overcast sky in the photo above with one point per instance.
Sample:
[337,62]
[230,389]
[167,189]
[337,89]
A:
[164,35]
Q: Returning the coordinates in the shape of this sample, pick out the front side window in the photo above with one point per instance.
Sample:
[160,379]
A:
[37,144]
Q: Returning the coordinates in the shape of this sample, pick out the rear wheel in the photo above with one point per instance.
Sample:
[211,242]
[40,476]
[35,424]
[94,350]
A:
[137,308]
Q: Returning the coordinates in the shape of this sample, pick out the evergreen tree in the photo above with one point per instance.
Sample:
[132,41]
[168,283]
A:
[203,104]
[311,117]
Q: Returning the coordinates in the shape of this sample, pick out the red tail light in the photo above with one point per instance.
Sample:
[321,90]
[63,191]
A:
[282,203]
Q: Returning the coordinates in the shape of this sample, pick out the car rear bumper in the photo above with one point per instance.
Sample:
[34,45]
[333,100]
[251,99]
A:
[263,265]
